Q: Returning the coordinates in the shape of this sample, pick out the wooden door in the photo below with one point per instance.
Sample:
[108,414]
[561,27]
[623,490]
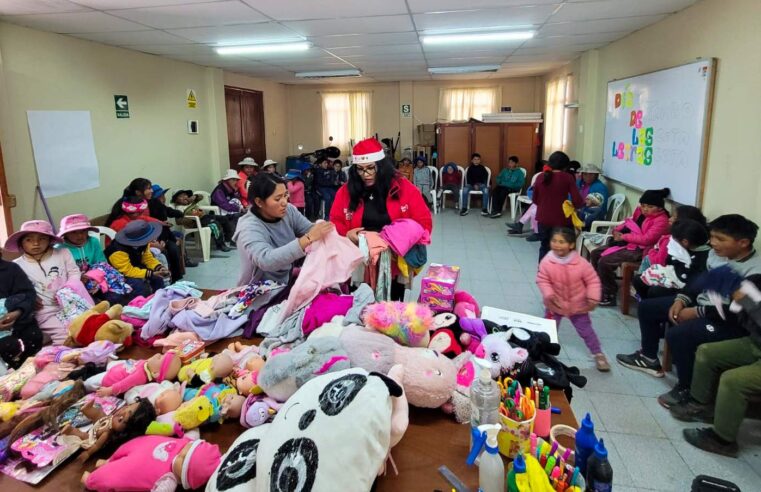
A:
[245,125]
[454,144]
[6,201]
[487,141]
[520,140]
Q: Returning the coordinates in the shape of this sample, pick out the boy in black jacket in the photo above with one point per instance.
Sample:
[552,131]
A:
[18,296]
[476,179]
[734,366]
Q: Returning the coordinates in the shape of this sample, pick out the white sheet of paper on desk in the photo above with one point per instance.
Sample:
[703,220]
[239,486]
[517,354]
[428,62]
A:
[526,321]
[64,151]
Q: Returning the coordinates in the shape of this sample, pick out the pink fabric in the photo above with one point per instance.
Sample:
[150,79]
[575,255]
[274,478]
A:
[572,283]
[47,374]
[322,310]
[140,301]
[137,465]
[120,377]
[183,304]
[296,190]
[644,237]
[530,216]
[329,261]
[403,234]
[660,253]
[464,296]
[135,322]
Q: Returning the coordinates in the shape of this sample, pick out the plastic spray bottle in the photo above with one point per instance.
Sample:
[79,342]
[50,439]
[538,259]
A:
[491,469]
[599,472]
[585,443]
[484,399]
[519,466]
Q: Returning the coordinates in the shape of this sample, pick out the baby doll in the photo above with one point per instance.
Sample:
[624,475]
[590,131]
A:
[127,422]
[245,356]
[225,402]
[258,410]
[124,375]
[149,463]
[207,369]
[246,382]
[165,396]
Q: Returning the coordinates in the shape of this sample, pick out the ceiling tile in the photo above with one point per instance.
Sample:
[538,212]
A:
[122,38]
[194,15]
[610,9]
[135,4]
[463,76]
[385,56]
[348,40]
[419,6]
[598,26]
[458,62]
[174,49]
[471,50]
[311,9]
[391,65]
[358,25]
[372,50]
[77,22]
[21,7]
[505,17]
[240,34]
[556,57]
[545,50]
[577,39]
[214,60]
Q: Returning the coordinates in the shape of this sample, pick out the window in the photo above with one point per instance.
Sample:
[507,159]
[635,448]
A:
[346,116]
[559,120]
[463,104]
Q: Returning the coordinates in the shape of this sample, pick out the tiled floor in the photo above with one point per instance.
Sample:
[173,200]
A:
[645,444]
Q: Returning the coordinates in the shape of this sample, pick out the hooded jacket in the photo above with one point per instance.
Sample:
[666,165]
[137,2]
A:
[571,280]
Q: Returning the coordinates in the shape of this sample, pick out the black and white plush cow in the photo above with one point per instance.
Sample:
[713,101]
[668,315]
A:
[333,434]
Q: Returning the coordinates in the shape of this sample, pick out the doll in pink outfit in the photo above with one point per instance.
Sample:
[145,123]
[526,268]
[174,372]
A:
[125,375]
[155,463]
[571,289]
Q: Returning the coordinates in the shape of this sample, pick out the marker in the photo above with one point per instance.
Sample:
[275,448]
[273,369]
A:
[556,410]
[554,448]
[567,454]
[574,477]
[533,443]
[555,473]
[550,464]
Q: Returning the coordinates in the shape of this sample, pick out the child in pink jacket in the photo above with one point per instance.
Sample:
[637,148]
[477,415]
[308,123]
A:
[570,289]
[632,240]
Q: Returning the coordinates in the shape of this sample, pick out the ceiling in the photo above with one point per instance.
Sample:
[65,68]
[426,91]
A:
[378,37]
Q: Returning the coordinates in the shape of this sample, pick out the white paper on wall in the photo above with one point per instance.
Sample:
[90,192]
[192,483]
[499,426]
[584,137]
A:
[64,151]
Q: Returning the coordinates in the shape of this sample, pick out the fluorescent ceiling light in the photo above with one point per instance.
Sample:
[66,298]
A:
[263,48]
[326,74]
[477,38]
[466,69]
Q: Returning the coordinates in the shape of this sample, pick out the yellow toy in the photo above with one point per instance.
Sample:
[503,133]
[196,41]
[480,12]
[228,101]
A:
[101,322]
[208,369]
[8,410]
[189,416]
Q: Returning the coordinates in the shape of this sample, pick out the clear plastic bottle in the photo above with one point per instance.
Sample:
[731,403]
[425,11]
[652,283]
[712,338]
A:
[484,399]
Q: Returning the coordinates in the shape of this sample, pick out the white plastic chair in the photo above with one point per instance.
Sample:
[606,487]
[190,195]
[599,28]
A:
[434,188]
[206,204]
[525,198]
[202,234]
[448,192]
[477,192]
[513,197]
[103,233]
[604,227]
[345,170]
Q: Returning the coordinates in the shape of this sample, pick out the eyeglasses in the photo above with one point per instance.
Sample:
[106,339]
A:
[367,171]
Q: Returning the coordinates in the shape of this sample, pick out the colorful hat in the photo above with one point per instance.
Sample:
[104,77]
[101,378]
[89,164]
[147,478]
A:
[591,169]
[200,463]
[158,191]
[131,208]
[597,197]
[367,150]
[75,222]
[230,174]
[292,174]
[138,233]
[248,161]
[38,226]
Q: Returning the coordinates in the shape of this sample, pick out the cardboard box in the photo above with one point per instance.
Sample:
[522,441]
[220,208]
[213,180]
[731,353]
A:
[438,286]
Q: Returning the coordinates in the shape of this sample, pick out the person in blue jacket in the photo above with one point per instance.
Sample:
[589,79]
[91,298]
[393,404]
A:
[590,183]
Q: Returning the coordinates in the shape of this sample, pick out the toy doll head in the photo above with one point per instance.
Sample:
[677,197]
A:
[221,365]
[246,384]
[168,401]
[232,405]
[132,420]
[164,367]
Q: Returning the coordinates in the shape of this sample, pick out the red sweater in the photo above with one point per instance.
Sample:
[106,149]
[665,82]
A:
[549,199]
[409,204]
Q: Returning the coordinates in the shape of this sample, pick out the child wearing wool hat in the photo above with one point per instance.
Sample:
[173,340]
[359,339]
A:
[592,209]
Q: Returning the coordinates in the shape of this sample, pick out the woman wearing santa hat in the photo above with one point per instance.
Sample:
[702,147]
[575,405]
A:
[375,196]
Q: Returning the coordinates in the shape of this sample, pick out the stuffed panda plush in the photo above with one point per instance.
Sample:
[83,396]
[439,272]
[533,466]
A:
[333,434]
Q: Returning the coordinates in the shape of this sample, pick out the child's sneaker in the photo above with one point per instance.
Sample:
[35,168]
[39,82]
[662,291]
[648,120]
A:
[608,301]
[639,362]
[463,212]
[484,213]
[601,362]
[495,215]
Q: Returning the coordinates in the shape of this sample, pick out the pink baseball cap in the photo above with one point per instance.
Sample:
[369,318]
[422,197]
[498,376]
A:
[200,463]
[75,222]
[39,226]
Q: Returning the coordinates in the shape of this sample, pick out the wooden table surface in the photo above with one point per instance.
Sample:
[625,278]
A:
[432,439]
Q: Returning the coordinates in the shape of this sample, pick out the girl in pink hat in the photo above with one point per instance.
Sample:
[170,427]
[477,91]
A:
[49,269]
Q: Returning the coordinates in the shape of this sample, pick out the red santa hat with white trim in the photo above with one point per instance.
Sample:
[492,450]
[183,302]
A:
[366,151]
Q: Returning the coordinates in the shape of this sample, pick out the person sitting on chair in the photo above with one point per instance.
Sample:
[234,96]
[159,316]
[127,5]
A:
[476,179]
[510,180]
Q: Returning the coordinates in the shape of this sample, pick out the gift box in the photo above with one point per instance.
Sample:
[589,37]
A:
[438,287]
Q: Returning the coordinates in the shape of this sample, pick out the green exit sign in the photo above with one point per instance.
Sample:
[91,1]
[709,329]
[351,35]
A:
[121,104]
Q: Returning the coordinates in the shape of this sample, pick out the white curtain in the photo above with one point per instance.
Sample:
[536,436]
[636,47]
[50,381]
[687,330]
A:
[463,104]
[555,119]
[346,116]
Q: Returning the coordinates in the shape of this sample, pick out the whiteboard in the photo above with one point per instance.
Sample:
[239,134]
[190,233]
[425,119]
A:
[64,151]
[655,129]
